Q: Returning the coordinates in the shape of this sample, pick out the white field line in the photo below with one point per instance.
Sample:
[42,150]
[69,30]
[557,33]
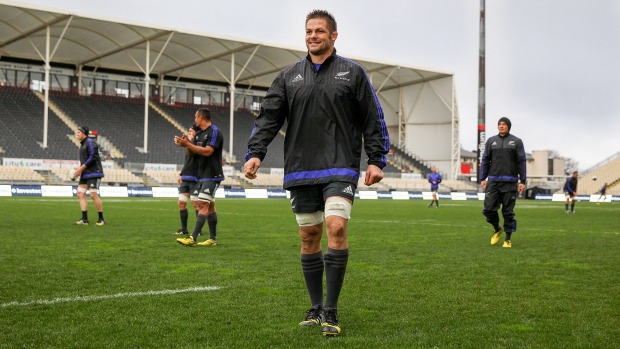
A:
[109,296]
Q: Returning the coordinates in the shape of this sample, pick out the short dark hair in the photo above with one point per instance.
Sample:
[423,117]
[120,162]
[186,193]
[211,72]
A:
[332,26]
[205,113]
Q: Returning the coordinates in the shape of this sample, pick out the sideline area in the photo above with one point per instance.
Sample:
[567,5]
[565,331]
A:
[172,192]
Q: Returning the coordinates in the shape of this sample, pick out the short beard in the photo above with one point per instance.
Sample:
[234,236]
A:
[318,52]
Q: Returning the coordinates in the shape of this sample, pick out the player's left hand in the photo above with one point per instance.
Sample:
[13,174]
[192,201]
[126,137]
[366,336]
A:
[373,175]
[521,187]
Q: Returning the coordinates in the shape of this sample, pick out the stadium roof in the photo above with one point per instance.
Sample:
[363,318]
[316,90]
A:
[419,104]
[98,43]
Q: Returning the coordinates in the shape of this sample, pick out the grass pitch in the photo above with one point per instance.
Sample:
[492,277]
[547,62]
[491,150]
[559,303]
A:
[417,277]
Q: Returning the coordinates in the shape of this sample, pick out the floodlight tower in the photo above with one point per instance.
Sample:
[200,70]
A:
[481,93]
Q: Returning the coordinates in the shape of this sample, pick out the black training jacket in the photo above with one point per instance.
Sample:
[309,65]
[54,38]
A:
[328,113]
[89,156]
[504,160]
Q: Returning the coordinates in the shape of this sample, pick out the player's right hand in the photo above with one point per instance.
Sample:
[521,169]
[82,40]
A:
[251,167]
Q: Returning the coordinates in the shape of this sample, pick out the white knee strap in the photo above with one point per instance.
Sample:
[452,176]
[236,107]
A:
[81,190]
[183,198]
[309,219]
[337,206]
[205,197]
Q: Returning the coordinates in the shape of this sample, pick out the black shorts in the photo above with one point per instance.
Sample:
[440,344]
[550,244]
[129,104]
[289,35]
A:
[187,187]
[311,198]
[92,183]
[206,190]
[569,194]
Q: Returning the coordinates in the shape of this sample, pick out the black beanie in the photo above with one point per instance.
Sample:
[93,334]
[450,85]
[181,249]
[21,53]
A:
[83,129]
[507,121]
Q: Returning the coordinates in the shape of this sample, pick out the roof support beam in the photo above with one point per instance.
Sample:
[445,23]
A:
[147,79]
[34,30]
[47,87]
[231,103]
[47,59]
[456,142]
[210,58]
[122,48]
[414,82]
[271,71]
[388,78]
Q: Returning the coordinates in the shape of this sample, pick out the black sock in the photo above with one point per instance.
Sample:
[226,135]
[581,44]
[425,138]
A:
[565,207]
[312,266]
[212,221]
[508,235]
[335,268]
[200,222]
[437,203]
[84,215]
[184,215]
[100,215]
[572,207]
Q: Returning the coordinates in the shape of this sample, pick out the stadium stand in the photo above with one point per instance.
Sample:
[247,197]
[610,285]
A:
[409,163]
[163,177]
[121,121]
[62,173]
[19,175]
[406,184]
[392,166]
[455,185]
[169,178]
[22,114]
[117,176]
[608,171]
[183,114]
[121,176]
[231,182]
[265,180]
[243,124]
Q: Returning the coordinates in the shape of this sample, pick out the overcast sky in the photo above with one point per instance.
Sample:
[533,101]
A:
[552,66]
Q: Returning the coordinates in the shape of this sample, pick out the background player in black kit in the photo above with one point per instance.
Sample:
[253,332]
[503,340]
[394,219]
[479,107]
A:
[90,173]
[187,183]
[209,174]
[570,191]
